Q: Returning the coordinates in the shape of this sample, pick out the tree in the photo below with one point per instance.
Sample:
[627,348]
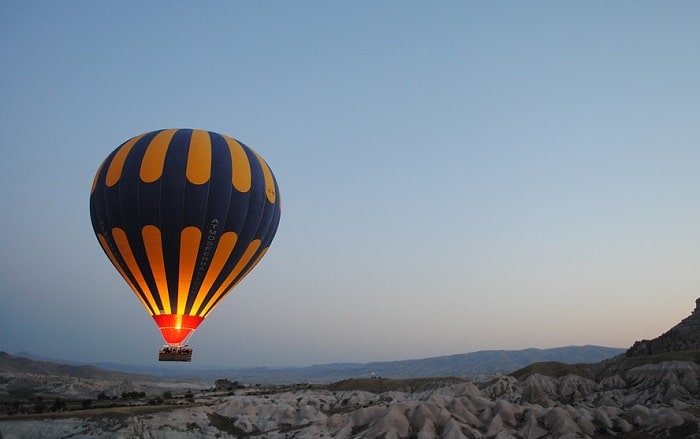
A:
[39,407]
[58,405]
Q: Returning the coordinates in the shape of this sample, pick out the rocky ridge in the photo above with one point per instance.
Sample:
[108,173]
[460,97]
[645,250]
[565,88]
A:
[683,337]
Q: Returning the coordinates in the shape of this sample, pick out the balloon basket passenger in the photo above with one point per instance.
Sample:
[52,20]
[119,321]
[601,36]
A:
[175,353]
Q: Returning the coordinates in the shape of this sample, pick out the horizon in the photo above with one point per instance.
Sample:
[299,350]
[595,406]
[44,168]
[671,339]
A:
[183,367]
[455,177]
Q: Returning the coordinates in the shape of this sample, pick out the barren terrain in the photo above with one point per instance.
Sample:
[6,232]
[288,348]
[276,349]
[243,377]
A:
[653,390]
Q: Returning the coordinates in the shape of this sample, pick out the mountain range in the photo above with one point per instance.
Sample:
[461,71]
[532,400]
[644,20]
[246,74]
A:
[473,365]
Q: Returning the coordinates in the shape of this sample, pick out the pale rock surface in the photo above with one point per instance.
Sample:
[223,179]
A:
[458,411]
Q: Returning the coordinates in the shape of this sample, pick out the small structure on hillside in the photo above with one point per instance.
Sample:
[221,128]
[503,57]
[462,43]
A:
[225,384]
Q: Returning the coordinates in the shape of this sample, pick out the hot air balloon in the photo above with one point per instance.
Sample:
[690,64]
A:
[184,215]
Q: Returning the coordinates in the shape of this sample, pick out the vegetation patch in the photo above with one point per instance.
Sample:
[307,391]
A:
[693,355]
[227,425]
[553,369]
[381,385]
[357,429]
[97,412]
[286,428]
[193,426]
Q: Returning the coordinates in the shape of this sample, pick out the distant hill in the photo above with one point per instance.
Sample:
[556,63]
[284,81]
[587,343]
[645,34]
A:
[15,364]
[491,362]
[470,365]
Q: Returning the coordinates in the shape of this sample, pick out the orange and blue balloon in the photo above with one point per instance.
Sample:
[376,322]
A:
[184,215]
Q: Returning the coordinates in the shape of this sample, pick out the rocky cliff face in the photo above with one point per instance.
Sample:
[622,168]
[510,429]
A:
[685,336]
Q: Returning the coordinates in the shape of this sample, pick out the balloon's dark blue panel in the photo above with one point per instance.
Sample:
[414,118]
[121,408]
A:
[271,230]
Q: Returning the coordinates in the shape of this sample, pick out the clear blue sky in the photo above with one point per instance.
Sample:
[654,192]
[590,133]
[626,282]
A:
[456,176]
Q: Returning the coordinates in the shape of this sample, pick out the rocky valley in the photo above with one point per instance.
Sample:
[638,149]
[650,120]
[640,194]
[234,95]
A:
[652,390]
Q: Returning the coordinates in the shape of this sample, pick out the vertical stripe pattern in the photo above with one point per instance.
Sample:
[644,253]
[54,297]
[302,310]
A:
[184,215]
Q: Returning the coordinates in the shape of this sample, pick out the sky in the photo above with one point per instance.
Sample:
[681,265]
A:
[456,176]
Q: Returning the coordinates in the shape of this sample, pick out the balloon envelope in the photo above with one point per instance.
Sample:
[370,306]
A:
[184,215]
